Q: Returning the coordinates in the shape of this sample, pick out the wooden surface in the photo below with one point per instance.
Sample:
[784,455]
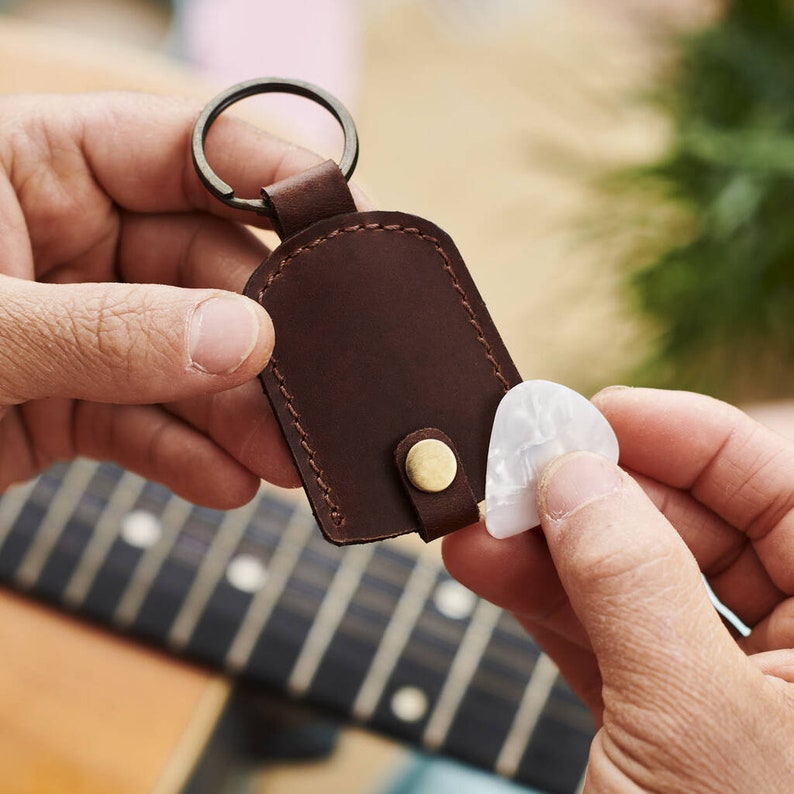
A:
[83,712]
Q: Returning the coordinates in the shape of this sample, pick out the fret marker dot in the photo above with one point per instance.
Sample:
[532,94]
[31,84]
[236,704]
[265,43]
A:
[453,600]
[246,573]
[141,529]
[409,704]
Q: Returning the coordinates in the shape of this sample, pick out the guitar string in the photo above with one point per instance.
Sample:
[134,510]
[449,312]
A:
[333,556]
[75,483]
[440,629]
[494,677]
[311,612]
[122,500]
[436,627]
[334,561]
[405,627]
[317,621]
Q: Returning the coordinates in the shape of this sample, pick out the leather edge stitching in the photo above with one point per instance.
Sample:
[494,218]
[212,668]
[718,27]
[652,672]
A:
[336,513]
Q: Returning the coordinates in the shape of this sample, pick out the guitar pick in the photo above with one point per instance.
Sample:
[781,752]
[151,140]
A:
[536,422]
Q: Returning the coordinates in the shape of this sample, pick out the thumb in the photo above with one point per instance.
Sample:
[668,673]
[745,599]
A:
[631,580]
[126,343]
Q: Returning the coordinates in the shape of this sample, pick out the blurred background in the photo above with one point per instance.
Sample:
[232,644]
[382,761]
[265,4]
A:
[617,174]
[493,120]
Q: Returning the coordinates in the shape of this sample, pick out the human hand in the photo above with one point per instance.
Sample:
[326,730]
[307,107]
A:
[121,336]
[612,590]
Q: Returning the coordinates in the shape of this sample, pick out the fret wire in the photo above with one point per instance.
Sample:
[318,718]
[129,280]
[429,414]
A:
[536,695]
[430,659]
[11,506]
[461,671]
[398,631]
[299,530]
[172,520]
[383,563]
[304,575]
[305,608]
[226,540]
[310,576]
[61,507]
[122,500]
[330,614]
[10,509]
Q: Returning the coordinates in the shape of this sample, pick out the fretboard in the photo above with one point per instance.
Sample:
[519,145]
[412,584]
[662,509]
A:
[372,633]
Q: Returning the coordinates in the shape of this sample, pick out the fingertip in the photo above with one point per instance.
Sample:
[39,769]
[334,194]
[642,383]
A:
[572,482]
[601,399]
[229,334]
[283,474]
[266,339]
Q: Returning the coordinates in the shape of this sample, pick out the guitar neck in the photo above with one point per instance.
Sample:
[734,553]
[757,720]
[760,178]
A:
[370,632]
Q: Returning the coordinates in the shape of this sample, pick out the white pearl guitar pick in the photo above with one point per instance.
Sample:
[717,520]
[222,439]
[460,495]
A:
[536,422]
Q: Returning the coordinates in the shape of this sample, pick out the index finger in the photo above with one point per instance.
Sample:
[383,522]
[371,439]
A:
[138,148]
[730,463]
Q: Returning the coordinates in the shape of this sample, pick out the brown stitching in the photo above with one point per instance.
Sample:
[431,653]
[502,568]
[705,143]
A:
[336,513]
[366,227]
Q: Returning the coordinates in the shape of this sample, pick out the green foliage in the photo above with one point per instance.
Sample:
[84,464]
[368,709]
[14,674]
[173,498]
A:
[716,263]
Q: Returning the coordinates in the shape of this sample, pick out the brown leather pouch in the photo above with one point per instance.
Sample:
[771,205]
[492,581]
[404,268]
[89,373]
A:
[380,333]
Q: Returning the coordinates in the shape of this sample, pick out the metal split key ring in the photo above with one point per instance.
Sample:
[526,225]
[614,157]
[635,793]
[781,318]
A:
[266,85]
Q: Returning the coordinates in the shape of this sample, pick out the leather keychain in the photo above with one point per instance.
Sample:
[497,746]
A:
[387,369]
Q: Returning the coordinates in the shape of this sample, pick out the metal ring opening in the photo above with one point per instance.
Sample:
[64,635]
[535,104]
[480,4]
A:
[266,85]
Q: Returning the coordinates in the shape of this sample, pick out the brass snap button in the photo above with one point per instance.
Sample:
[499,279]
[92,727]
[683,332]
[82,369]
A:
[431,466]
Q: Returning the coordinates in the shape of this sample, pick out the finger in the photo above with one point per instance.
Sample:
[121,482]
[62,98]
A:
[147,440]
[515,573]
[632,582]
[518,574]
[725,556]
[189,250]
[136,149]
[779,664]
[241,422]
[775,631]
[126,343]
[730,463]
[182,249]
[16,256]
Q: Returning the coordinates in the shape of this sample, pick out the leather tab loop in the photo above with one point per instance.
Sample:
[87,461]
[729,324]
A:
[444,511]
[305,198]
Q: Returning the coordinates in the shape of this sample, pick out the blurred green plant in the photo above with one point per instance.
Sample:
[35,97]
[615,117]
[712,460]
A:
[712,263]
